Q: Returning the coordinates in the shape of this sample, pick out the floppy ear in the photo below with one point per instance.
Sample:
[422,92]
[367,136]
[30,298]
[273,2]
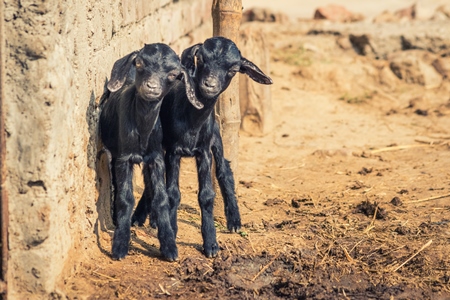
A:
[187,58]
[105,94]
[249,68]
[190,90]
[120,70]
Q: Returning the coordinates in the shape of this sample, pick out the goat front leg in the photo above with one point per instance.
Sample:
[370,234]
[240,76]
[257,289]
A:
[173,187]
[124,202]
[160,208]
[206,197]
[225,179]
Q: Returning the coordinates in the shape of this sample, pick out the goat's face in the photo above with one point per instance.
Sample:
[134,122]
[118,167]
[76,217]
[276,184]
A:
[152,70]
[215,62]
[157,68]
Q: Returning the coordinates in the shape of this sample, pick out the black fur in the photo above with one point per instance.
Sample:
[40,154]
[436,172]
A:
[131,132]
[189,131]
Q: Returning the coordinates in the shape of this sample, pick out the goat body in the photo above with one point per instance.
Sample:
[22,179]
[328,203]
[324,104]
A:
[131,132]
[192,132]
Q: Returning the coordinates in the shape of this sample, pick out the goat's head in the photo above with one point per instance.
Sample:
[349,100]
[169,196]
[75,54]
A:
[214,63]
[153,70]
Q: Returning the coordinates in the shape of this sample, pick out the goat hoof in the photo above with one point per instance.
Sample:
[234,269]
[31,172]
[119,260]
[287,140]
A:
[119,247]
[137,220]
[135,223]
[233,220]
[210,255]
[234,227]
[171,259]
[119,254]
[211,251]
[153,220]
[169,253]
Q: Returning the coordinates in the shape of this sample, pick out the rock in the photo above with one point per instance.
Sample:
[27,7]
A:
[396,201]
[344,43]
[336,13]
[425,10]
[418,11]
[433,44]
[420,105]
[443,109]
[415,66]
[331,152]
[388,78]
[264,15]
[385,16]
[444,9]
[389,37]
[439,16]
[408,13]
[442,65]
[362,44]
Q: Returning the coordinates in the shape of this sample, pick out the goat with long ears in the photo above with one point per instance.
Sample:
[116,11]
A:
[131,132]
[190,131]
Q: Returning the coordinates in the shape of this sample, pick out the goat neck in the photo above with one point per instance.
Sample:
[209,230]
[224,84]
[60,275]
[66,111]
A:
[146,117]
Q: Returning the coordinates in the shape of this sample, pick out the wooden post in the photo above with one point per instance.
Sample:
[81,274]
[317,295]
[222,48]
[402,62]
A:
[227,16]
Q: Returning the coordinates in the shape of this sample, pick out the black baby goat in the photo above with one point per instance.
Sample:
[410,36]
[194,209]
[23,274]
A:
[190,131]
[131,132]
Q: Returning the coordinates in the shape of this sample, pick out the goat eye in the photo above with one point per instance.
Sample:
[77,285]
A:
[199,60]
[172,76]
[233,71]
[139,64]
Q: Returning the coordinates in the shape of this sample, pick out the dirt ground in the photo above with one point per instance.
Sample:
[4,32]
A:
[346,198]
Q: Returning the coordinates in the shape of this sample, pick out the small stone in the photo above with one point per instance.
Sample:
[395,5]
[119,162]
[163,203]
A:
[336,13]
[396,201]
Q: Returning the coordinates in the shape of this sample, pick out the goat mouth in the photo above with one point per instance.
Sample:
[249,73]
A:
[152,96]
[209,92]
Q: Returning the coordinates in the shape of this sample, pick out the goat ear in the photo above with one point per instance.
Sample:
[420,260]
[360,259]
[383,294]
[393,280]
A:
[249,68]
[187,58]
[105,94]
[190,89]
[120,71]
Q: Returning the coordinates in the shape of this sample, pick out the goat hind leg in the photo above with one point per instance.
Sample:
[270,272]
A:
[172,162]
[160,207]
[142,209]
[225,179]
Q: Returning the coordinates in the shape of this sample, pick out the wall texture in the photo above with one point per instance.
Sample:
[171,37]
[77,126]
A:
[58,56]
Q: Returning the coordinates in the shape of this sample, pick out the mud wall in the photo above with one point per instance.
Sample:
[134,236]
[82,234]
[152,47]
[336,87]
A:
[58,56]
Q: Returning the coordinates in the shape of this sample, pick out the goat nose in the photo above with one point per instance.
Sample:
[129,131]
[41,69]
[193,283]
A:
[152,84]
[211,82]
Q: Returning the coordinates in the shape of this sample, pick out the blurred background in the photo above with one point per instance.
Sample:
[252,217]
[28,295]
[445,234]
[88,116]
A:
[370,8]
